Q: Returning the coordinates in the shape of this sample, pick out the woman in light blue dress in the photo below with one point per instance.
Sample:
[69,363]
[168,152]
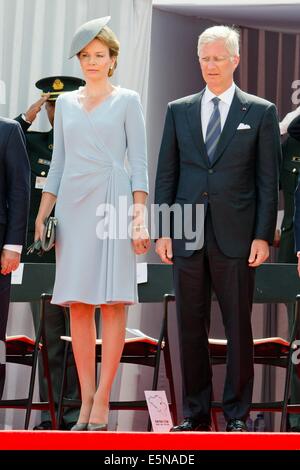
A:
[97,236]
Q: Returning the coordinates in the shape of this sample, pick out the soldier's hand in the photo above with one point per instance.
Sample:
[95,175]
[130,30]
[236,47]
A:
[298,267]
[35,108]
[10,261]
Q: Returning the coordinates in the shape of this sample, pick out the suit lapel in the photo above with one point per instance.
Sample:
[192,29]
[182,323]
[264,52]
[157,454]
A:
[193,110]
[238,109]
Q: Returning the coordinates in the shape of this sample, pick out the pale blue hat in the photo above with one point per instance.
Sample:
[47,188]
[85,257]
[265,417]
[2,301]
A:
[86,33]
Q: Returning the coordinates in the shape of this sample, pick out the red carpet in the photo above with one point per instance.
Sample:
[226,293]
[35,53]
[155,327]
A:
[52,440]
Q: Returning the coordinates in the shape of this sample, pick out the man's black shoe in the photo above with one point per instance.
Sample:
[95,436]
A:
[236,425]
[43,426]
[189,424]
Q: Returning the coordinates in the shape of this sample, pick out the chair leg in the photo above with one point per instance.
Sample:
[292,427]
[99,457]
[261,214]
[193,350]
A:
[286,394]
[63,385]
[47,373]
[169,373]
[31,387]
[214,416]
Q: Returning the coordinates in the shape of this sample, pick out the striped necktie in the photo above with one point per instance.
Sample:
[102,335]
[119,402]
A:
[213,130]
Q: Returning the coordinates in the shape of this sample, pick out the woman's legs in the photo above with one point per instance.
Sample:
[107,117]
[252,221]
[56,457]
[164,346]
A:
[113,318]
[83,332]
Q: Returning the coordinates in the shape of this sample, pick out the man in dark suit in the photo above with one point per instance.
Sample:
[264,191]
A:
[220,148]
[40,147]
[14,206]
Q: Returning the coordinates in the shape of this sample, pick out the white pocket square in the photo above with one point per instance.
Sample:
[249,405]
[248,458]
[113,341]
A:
[243,126]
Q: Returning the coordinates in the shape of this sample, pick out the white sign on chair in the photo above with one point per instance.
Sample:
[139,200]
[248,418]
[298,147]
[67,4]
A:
[159,411]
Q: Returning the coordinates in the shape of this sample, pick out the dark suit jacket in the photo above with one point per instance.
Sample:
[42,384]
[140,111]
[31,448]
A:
[294,131]
[14,182]
[241,184]
[294,128]
[289,175]
[39,148]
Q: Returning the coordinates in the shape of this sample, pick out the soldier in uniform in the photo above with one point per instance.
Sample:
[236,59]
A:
[289,175]
[39,147]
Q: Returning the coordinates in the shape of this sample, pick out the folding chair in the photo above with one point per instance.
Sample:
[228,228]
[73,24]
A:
[37,278]
[142,349]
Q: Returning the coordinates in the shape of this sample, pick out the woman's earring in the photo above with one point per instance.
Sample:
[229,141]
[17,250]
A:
[110,72]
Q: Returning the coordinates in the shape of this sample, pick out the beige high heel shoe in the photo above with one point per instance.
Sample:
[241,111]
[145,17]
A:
[79,427]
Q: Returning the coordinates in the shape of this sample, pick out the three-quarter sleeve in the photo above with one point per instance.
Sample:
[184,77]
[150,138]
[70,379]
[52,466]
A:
[136,144]
[58,156]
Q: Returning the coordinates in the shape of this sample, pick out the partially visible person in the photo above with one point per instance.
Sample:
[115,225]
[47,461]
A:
[95,127]
[294,128]
[297,224]
[14,207]
[289,176]
[40,147]
[288,118]
[294,132]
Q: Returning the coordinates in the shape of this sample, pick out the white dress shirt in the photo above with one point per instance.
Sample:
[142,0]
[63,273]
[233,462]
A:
[207,106]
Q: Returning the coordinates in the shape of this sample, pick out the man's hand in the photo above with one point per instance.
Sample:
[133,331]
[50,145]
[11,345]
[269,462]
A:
[10,261]
[259,253]
[277,237]
[35,108]
[164,250]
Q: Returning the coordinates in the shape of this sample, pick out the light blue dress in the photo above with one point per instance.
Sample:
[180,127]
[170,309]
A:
[95,261]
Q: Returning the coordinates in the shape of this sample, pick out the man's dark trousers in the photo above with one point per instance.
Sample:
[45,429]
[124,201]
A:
[194,278]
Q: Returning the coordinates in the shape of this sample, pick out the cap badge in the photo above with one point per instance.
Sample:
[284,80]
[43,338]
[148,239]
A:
[58,85]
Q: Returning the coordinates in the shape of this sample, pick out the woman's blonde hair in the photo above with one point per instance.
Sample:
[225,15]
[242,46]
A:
[108,37]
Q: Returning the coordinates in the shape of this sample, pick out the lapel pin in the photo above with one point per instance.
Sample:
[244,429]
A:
[244,108]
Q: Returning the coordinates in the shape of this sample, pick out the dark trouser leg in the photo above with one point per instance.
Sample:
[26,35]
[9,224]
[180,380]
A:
[294,419]
[233,283]
[4,306]
[192,289]
[55,328]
